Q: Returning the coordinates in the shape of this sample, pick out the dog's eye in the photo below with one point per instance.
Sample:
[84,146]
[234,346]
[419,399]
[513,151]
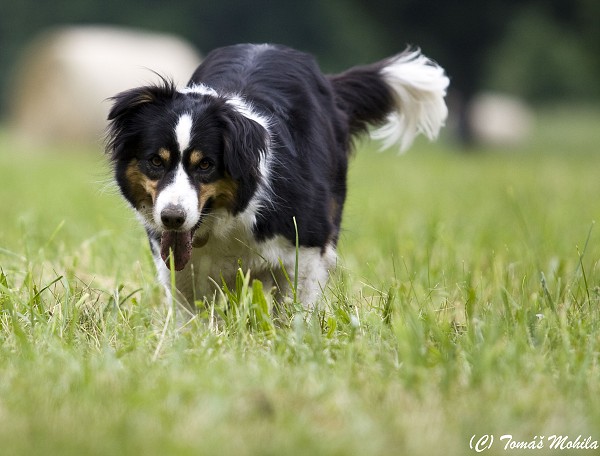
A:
[156,161]
[205,164]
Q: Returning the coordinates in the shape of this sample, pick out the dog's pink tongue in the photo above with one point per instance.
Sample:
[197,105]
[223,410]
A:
[181,244]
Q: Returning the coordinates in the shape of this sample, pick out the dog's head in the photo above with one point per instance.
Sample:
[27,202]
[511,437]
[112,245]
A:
[180,154]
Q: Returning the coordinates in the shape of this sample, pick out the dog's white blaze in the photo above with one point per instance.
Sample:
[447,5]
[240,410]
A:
[183,131]
[180,192]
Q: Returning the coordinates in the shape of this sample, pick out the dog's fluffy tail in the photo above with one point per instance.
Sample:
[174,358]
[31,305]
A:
[401,96]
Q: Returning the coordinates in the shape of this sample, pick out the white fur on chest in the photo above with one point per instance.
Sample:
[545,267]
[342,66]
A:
[231,246]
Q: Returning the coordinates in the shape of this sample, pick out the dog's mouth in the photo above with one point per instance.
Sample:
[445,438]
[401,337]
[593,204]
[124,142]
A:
[180,244]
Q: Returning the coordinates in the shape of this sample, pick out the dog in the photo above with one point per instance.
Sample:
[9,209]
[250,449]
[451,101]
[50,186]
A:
[245,166]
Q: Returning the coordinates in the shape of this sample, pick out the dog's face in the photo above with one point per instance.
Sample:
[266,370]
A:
[178,155]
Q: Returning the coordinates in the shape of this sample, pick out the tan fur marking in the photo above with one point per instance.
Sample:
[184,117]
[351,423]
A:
[145,97]
[143,189]
[165,155]
[195,157]
[223,192]
[150,187]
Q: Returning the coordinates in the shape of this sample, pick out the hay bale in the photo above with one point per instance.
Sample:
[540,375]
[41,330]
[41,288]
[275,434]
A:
[500,120]
[66,75]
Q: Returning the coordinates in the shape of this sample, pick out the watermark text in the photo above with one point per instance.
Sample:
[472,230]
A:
[508,442]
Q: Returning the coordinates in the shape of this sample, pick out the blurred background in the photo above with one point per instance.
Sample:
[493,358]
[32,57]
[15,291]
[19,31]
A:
[60,60]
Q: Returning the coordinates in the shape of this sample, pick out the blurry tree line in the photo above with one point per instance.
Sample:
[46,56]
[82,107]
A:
[542,50]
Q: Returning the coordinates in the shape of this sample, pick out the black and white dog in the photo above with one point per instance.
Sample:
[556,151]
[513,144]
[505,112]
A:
[222,171]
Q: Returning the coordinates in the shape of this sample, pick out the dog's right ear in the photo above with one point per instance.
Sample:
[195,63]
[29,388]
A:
[127,102]
[121,128]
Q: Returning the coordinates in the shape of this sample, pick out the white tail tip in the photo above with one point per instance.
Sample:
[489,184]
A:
[419,87]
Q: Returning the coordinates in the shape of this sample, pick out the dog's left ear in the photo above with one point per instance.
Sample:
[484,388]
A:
[245,141]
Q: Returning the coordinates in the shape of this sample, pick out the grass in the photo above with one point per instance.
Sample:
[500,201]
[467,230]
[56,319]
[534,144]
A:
[466,303]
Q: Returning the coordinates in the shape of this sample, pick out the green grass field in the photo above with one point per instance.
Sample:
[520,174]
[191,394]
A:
[466,303]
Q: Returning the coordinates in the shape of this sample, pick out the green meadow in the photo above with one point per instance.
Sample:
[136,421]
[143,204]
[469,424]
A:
[466,304]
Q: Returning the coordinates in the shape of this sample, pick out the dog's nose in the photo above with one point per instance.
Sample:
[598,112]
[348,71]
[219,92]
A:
[173,216]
